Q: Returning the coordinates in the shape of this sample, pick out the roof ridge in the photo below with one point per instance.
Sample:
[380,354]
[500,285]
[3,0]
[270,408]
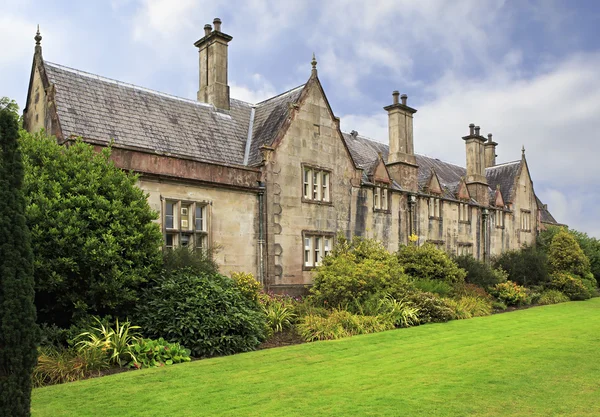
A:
[281,94]
[504,163]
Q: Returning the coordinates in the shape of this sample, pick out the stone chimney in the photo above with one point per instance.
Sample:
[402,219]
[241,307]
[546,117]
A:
[401,160]
[490,152]
[476,180]
[213,66]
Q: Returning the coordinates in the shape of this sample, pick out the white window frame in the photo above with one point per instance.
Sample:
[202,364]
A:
[525,220]
[315,247]
[500,219]
[185,228]
[381,197]
[316,186]
[463,213]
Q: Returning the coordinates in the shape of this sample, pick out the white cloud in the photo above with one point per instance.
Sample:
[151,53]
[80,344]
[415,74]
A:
[259,90]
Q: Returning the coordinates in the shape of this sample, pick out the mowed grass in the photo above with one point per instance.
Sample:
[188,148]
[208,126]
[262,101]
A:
[543,361]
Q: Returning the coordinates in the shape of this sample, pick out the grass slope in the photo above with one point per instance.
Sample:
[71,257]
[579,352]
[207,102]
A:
[543,361]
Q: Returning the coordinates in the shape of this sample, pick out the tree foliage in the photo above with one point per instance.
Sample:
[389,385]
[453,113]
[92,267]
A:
[92,229]
[18,331]
[565,255]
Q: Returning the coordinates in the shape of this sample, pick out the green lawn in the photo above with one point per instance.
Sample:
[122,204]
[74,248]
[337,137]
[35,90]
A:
[543,361]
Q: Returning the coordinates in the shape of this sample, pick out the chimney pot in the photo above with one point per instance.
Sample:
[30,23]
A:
[354,133]
[471,129]
[477,129]
[489,137]
[207,29]
[395,95]
[217,23]
[404,97]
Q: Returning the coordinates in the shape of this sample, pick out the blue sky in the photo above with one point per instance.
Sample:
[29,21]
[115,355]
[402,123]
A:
[527,71]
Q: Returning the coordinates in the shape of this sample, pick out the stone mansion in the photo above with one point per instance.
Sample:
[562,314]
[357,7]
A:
[271,184]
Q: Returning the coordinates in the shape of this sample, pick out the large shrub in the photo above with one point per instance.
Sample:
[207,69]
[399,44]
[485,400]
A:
[427,262]
[478,272]
[526,267]
[552,297]
[18,331]
[356,270]
[564,254]
[432,308]
[204,312]
[92,231]
[570,285]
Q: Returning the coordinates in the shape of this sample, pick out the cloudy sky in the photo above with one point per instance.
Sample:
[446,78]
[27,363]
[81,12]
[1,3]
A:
[527,71]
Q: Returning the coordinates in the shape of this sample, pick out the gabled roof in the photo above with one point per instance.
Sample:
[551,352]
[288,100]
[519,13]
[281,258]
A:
[504,176]
[268,119]
[100,110]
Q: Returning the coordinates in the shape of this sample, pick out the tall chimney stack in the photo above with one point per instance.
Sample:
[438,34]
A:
[214,88]
[490,152]
[401,161]
[476,179]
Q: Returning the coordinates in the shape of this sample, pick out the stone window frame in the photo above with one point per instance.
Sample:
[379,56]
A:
[434,206]
[309,263]
[175,235]
[464,209]
[439,244]
[525,220]
[324,187]
[464,248]
[381,189]
[502,216]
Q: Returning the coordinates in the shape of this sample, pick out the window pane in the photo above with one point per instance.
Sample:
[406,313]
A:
[316,185]
[307,186]
[384,202]
[318,254]
[186,215]
[200,218]
[169,214]
[169,241]
[325,187]
[327,246]
[307,251]
[376,192]
[199,241]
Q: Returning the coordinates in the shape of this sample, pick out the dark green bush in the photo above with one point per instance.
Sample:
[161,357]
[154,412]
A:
[570,285]
[432,308]
[478,272]
[355,271]
[427,262]
[185,257]
[440,288]
[526,267]
[204,312]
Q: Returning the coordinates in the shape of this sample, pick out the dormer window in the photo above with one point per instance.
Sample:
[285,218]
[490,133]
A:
[500,219]
[315,184]
[380,197]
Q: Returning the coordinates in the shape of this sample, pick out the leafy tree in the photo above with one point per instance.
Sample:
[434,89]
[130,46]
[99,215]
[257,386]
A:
[589,245]
[427,262]
[92,229]
[11,107]
[565,255]
[18,331]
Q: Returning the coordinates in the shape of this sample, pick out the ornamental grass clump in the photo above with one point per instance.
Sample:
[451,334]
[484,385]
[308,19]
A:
[340,324]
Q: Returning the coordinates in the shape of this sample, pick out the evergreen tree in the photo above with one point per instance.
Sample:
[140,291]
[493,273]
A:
[18,330]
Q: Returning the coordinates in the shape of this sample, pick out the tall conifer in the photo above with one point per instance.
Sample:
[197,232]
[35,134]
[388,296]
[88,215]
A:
[18,330]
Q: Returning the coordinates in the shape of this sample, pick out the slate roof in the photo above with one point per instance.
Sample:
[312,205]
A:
[503,175]
[100,109]
[268,118]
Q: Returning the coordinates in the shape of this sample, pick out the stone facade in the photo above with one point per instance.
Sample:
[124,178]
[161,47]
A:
[270,185]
